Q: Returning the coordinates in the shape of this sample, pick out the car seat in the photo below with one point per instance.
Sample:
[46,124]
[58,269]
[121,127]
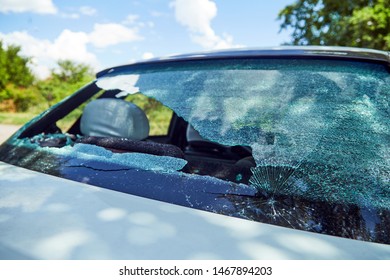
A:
[120,126]
[109,117]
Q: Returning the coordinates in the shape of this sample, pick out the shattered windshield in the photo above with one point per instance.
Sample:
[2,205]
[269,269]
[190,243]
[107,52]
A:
[317,129]
[301,143]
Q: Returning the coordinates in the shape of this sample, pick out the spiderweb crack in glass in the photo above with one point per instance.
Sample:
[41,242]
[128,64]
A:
[317,129]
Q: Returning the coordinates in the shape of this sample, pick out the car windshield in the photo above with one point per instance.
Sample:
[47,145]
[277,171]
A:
[302,143]
[318,129]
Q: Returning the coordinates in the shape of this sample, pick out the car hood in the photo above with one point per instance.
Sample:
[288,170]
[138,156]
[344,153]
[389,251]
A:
[45,217]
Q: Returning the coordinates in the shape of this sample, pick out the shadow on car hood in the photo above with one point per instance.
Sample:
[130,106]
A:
[45,217]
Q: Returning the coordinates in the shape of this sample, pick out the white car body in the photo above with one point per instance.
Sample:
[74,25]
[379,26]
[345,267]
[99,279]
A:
[46,217]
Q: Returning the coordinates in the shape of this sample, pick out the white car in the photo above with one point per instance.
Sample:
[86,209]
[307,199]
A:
[244,154]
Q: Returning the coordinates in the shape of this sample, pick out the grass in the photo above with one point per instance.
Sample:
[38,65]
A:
[15,118]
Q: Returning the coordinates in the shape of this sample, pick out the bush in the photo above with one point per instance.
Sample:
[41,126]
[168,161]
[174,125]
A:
[22,94]
[26,99]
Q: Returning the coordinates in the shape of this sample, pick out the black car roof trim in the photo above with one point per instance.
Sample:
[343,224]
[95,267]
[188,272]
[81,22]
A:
[276,52]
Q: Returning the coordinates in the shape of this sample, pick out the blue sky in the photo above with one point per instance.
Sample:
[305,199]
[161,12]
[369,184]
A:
[107,33]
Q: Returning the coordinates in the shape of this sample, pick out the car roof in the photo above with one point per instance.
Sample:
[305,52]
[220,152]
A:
[282,51]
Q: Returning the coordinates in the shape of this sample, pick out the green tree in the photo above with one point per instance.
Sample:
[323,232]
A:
[14,67]
[355,23]
[67,78]
[16,80]
[71,72]
[20,92]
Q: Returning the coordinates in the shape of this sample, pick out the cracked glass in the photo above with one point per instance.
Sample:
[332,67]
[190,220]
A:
[301,143]
[317,129]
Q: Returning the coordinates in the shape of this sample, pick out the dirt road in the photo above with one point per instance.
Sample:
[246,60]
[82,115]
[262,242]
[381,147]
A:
[6,130]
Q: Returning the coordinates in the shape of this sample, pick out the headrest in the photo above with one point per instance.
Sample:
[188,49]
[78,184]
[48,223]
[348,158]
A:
[109,117]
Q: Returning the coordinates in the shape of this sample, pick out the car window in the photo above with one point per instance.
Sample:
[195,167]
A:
[65,124]
[159,116]
[301,143]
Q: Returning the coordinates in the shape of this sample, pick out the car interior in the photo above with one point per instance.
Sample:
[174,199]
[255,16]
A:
[122,127]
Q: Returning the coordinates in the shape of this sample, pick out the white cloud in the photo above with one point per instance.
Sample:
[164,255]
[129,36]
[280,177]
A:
[147,55]
[134,21]
[34,6]
[130,19]
[109,34]
[196,15]
[88,11]
[70,45]
[81,11]
[70,15]
[45,53]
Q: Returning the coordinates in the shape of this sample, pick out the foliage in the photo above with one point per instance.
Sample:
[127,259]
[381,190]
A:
[14,67]
[63,81]
[71,72]
[19,92]
[24,98]
[355,23]
[15,77]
